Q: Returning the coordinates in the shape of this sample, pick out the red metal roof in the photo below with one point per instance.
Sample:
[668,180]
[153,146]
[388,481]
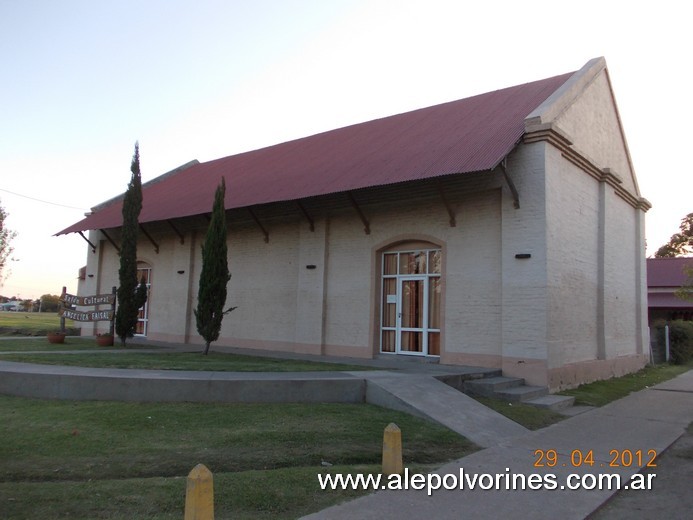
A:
[464,136]
[667,272]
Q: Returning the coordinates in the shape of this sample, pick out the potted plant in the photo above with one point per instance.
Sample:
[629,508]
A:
[104,339]
[56,337]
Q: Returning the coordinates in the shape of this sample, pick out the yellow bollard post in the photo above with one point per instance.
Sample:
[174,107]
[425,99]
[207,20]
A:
[392,450]
[199,494]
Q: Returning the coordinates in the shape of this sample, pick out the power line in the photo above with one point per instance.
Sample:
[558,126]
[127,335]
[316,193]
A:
[42,201]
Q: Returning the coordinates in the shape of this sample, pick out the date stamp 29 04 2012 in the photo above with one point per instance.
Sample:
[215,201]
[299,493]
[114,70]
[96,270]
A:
[626,458]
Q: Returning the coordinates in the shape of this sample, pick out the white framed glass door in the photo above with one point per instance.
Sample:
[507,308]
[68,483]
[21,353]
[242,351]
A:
[412,315]
[410,304]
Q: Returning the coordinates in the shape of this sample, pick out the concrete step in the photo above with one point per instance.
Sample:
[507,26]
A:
[555,403]
[521,393]
[490,386]
[515,390]
[458,380]
[572,411]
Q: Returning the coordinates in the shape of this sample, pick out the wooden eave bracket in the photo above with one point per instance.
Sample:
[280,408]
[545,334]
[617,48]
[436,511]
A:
[305,214]
[511,184]
[93,247]
[366,224]
[156,246]
[257,221]
[177,232]
[451,213]
[103,231]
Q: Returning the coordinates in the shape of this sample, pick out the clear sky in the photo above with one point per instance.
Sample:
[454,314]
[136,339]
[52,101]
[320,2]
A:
[82,80]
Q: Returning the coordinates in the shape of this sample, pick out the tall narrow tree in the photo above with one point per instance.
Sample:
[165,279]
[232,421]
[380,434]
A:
[214,277]
[130,299]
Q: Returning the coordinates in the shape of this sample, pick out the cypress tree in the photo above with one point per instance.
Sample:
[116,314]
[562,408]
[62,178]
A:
[211,296]
[130,296]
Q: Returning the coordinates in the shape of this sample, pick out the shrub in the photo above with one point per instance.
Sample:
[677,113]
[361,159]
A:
[680,340]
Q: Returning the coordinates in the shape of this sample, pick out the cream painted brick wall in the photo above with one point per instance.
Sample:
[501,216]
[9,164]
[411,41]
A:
[473,277]
[103,268]
[472,281]
[168,296]
[279,300]
[90,283]
[310,290]
[525,312]
[263,283]
[620,281]
[348,282]
[592,122]
[573,264]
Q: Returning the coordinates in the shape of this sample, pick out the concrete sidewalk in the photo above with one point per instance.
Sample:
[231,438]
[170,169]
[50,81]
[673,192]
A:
[652,419]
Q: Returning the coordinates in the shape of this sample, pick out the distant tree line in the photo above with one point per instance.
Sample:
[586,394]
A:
[46,303]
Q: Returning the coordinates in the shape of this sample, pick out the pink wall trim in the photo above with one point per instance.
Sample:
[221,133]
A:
[535,371]
[575,374]
[473,360]
[349,351]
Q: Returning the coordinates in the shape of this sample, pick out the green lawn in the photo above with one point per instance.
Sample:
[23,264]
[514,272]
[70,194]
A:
[41,344]
[214,361]
[600,393]
[31,323]
[91,355]
[129,460]
[530,417]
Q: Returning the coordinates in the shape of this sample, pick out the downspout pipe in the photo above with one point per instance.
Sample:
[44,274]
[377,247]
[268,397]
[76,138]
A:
[511,184]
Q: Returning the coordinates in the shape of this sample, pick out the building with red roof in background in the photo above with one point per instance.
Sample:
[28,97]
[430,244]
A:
[665,277]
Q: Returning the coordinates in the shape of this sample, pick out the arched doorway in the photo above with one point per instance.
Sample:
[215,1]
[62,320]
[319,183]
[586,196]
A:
[411,301]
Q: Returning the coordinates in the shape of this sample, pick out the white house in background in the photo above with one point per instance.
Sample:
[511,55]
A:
[13,306]
[502,230]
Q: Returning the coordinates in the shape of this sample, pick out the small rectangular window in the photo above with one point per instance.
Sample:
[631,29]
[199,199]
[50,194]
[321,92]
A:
[390,264]
[412,263]
[434,262]
[388,341]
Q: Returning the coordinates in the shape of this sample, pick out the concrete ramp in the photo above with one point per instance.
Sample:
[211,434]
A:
[427,397]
